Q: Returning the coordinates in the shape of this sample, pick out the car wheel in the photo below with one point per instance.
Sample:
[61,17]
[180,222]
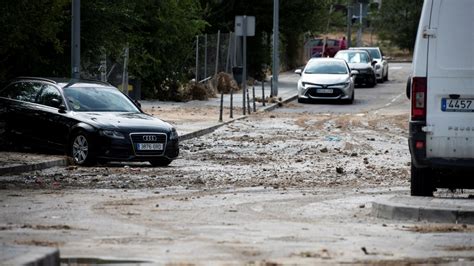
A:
[421,182]
[160,162]
[80,149]
[351,100]
[373,83]
[385,78]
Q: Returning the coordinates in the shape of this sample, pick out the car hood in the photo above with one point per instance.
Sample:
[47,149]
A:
[359,65]
[123,121]
[325,79]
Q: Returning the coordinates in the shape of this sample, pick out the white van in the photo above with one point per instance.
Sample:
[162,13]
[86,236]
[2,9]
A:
[441,89]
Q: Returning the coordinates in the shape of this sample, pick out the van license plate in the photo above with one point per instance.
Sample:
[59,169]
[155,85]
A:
[150,146]
[457,105]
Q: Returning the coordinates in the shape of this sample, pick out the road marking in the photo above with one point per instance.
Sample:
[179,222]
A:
[394,99]
[396,68]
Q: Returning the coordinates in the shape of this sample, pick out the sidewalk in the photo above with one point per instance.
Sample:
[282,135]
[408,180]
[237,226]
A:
[191,119]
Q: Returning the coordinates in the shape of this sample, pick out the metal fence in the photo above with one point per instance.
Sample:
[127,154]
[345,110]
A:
[214,53]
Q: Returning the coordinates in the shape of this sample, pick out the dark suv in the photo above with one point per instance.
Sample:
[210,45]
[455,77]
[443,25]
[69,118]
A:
[89,120]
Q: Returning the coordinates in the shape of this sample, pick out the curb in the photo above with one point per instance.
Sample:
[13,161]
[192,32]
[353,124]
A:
[33,166]
[205,131]
[389,209]
[28,255]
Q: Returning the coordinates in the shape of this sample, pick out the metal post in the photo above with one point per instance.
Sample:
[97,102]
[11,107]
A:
[217,51]
[276,39]
[205,56]
[253,96]
[222,107]
[263,92]
[231,102]
[103,67]
[349,23]
[228,62]
[76,40]
[244,60]
[125,72]
[197,58]
[359,32]
[248,99]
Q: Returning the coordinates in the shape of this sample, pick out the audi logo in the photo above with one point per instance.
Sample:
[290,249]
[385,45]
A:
[150,138]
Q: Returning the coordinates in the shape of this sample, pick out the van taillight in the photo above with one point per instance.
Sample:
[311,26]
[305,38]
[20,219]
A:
[418,99]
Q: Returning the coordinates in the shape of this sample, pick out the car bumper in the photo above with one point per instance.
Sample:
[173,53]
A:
[364,78]
[337,94]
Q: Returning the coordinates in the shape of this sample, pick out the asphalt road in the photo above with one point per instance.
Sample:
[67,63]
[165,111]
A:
[292,186]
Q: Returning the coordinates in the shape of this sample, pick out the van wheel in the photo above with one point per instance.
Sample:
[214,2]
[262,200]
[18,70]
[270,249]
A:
[421,182]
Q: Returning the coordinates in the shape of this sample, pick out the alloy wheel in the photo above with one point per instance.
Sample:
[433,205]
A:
[80,149]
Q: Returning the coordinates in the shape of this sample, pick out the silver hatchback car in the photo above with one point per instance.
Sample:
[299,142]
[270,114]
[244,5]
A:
[326,78]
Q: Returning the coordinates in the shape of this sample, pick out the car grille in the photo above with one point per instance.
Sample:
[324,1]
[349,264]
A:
[151,138]
[313,92]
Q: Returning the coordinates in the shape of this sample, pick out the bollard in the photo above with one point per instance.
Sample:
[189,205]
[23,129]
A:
[271,87]
[253,95]
[222,107]
[231,103]
[263,92]
[247,91]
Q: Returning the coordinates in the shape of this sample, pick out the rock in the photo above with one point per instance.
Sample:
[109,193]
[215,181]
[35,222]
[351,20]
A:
[339,170]
[324,150]
[354,154]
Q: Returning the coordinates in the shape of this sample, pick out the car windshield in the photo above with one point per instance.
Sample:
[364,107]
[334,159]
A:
[92,99]
[374,53]
[325,67]
[354,57]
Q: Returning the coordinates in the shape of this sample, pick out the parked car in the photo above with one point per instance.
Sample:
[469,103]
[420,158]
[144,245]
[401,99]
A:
[317,44]
[88,120]
[361,61]
[326,78]
[441,88]
[381,67]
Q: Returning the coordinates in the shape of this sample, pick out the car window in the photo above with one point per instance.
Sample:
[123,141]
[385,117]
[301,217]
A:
[22,91]
[325,67]
[101,99]
[374,53]
[50,96]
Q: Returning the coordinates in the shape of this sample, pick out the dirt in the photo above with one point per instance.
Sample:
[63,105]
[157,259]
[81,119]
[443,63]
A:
[281,150]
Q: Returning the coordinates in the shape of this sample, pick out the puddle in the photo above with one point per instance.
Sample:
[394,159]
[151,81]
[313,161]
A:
[95,261]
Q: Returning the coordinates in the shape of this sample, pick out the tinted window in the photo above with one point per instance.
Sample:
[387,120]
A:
[375,53]
[101,99]
[22,91]
[50,96]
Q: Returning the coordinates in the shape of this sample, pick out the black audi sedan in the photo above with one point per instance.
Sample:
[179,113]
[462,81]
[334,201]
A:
[91,121]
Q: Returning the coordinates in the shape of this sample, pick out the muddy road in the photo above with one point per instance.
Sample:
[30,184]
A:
[291,186]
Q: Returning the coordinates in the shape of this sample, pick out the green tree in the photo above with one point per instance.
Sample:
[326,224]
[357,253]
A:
[397,22]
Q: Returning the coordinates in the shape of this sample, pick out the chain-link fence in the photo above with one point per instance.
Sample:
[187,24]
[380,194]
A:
[214,53]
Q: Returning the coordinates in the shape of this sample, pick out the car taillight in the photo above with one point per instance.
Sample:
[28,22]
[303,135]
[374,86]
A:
[418,98]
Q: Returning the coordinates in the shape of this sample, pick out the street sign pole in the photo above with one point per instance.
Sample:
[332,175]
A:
[276,39]
[76,39]
[244,62]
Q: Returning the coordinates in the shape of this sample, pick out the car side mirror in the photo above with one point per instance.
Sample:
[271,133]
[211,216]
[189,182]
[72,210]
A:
[374,63]
[137,103]
[354,72]
[62,108]
[298,71]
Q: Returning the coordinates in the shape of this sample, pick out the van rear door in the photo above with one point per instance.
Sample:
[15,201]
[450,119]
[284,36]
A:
[450,80]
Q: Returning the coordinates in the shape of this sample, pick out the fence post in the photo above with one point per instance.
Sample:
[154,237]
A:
[217,50]
[197,58]
[253,94]
[228,53]
[263,92]
[247,90]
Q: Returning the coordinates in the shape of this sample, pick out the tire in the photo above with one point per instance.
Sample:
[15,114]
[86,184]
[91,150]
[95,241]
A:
[374,82]
[162,162]
[421,182]
[80,149]
[385,78]
[351,100]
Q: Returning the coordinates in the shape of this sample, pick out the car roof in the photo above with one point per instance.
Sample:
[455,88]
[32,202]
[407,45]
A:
[67,82]
[326,59]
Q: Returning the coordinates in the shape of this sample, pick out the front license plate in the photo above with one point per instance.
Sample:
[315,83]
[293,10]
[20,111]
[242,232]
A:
[150,146]
[325,91]
[457,105]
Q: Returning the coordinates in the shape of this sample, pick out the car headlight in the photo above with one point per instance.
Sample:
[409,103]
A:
[340,85]
[112,134]
[173,134]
